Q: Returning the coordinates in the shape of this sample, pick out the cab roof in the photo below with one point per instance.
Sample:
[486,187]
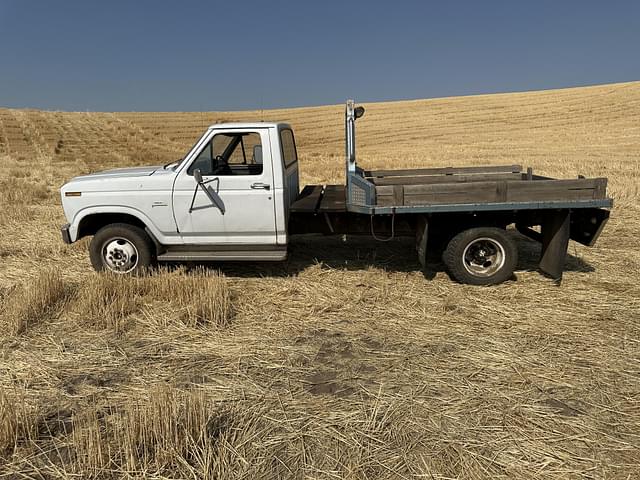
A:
[248,125]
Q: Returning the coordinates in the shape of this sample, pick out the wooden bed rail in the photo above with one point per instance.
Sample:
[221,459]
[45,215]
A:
[443,171]
[491,192]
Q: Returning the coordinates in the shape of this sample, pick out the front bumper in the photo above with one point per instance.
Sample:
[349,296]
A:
[66,237]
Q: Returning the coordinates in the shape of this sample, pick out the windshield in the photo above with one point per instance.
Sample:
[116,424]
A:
[174,165]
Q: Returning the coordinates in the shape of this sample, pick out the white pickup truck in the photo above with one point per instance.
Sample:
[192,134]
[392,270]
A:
[235,196]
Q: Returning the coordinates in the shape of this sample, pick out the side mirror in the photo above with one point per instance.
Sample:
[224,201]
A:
[213,195]
[358,112]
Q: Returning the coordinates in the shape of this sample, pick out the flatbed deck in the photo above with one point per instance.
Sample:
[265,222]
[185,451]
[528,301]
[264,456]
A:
[456,189]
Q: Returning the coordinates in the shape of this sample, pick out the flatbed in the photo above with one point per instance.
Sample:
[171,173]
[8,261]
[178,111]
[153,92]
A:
[457,189]
[428,201]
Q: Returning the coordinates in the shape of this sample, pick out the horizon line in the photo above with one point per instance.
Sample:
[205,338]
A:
[294,107]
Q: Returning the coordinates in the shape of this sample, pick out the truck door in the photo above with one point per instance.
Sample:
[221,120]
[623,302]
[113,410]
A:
[237,170]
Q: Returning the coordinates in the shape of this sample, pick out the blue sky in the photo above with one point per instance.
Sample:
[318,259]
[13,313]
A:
[206,55]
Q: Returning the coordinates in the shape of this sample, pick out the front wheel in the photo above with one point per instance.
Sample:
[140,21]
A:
[481,256]
[121,248]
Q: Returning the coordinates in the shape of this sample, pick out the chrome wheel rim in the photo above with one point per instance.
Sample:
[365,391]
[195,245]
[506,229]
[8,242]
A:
[120,255]
[483,257]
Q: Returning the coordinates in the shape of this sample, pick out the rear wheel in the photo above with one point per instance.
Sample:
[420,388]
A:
[481,256]
[121,248]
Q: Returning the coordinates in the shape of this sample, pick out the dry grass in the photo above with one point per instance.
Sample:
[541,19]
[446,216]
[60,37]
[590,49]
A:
[168,431]
[198,298]
[201,297]
[15,423]
[342,362]
[17,190]
[32,302]
[107,300]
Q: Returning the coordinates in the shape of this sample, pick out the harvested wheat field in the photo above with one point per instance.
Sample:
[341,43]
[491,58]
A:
[344,361]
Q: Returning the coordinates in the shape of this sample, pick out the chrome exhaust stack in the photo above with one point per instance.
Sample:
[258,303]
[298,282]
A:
[352,113]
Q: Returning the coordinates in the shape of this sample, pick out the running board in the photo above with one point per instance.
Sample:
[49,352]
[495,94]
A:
[224,255]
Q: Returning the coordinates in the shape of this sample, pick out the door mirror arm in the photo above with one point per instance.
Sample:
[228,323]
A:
[212,195]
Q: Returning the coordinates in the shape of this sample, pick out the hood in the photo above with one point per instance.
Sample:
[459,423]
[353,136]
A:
[121,173]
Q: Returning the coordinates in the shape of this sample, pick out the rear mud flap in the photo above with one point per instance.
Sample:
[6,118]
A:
[557,227]
[422,235]
[555,232]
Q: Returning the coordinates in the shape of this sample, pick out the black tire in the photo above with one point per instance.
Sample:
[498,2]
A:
[481,256]
[127,235]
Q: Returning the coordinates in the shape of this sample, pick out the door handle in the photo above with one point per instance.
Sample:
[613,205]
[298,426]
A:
[260,185]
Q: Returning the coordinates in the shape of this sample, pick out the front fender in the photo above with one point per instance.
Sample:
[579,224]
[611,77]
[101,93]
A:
[85,212]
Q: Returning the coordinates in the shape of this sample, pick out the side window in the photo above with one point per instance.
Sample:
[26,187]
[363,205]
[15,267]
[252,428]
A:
[243,154]
[230,154]
[289,154]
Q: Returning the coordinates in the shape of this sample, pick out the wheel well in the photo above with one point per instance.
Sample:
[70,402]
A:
[90,224]
[444,226]
[452,224]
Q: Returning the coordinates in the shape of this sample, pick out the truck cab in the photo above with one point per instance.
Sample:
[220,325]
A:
[232,190]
